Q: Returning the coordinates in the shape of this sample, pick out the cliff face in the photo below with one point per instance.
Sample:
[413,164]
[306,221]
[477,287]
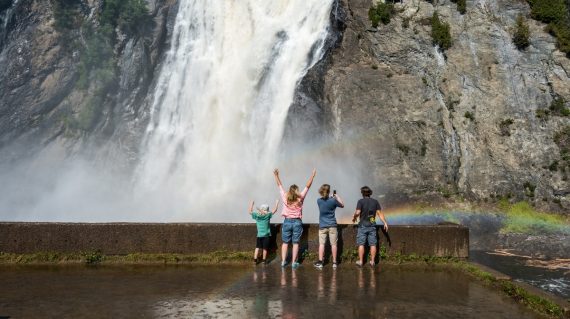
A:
[46,52]
[462,124]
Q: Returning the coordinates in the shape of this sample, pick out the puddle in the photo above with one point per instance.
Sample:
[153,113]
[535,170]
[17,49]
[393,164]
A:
[246,292]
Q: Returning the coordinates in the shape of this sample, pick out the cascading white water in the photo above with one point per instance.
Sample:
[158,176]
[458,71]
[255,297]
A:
[222,99]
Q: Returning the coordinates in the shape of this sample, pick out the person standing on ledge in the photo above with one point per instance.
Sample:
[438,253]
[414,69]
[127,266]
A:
[327,223]
[367,208]
[262,215]
[292,228]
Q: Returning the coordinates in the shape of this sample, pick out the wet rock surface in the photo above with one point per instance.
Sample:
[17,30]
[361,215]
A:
[41,101]
[403,104]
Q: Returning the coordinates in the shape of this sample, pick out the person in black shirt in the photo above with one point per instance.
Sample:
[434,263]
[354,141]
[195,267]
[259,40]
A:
[367,209]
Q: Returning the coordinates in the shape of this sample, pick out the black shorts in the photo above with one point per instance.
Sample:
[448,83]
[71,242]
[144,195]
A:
[262,242]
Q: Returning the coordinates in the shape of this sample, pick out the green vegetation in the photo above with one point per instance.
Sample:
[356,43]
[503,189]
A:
[96,257]
[98,58]
[451,103]
[469,115]
[98,65]
[523,218]
[521,34]
[5,4]
[548,10]
[446,192]
[553,166]
[66,15]
[461,5]
[440,32]
[423,148]
[129,15]
[405,149]
[558,107]
[505,127]
[562,139]
[97,61]
[534,302]
[542,113]
[93,257]
[529,189]
[555,14]
[382,12]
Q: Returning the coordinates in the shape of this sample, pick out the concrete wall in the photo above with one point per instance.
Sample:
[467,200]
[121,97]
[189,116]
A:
[123,238]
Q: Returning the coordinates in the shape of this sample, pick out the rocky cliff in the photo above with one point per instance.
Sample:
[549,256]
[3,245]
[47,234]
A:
[470,122]
[77,72]
[466,123]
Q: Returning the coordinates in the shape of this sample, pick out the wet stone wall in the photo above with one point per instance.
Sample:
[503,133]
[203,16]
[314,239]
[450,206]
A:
[190,238]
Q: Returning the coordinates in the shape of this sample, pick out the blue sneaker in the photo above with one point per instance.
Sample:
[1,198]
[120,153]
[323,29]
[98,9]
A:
[283,264]
[295,265]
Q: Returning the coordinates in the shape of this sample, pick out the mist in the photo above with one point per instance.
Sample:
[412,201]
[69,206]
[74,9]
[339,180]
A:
[216,122]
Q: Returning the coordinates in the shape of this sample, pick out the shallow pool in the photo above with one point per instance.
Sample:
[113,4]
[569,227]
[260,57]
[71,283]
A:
[247,291]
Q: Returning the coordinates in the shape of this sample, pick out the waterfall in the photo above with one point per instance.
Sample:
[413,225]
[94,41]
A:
[222,98]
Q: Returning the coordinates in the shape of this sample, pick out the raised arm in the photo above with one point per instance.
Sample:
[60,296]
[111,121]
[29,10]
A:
[276,206]
[339,200]
[310,181]
[381,215]
[277,179]
[250,209]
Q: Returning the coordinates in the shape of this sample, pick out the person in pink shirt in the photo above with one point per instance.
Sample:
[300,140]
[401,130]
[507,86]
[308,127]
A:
[292,210]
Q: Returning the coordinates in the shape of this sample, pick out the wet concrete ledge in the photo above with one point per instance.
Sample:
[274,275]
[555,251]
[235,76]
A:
[448,240]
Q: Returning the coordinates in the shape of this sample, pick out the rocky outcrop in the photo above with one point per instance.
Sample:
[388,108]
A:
[460,124]
[40,99]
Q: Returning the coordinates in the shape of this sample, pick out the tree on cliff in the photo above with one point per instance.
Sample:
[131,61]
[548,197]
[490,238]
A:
[521,34]
[440,32]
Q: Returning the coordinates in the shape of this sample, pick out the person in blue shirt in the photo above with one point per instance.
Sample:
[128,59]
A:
[262,215]
[327,223]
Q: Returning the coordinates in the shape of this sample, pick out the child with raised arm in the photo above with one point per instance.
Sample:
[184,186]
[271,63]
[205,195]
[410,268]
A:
[292,228]
[262,215]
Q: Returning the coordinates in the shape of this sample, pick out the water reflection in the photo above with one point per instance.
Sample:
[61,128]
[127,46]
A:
[243,292]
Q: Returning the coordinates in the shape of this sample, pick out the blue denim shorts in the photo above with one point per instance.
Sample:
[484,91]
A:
[292,230]
[366,233]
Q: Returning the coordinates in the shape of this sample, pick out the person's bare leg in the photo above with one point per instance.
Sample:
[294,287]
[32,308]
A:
[295,252]
[264,254]
[321,252]
[284,249]
[334,250]
[256,253]
[373,254]
[361,253]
